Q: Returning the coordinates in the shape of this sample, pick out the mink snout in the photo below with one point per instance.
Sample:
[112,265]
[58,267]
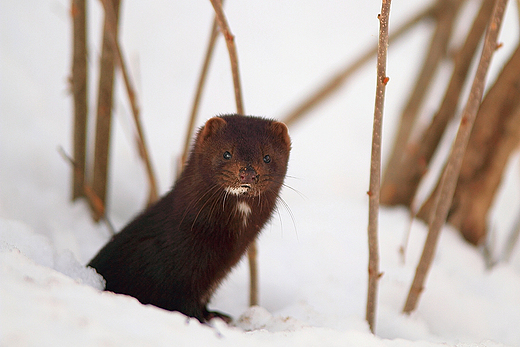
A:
[248,175]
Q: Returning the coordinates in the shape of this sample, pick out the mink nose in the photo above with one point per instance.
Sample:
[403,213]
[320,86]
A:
[248,175]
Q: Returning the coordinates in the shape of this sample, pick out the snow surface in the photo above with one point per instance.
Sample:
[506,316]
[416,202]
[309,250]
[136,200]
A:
[313,256]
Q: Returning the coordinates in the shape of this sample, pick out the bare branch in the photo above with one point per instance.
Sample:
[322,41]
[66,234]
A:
[495,136]
[451,173]
[94,201]
[400,186]
[436,52]
[253,273]
[342,76]
[104,107]
[111,15]
[375,166]
[230,42]
[198,93]
[79,81]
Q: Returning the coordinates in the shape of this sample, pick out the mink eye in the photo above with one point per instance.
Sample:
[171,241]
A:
[267,159]
[227,155]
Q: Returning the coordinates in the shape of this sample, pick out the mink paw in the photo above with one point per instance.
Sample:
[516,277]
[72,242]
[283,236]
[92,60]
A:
[209,315]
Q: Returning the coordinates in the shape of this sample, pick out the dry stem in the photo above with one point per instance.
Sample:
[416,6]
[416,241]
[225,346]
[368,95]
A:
[375,166]
[253,274]
[436,52]
[495,136]
[79,83]
[451,173]
[104,108]
[93,200]
[230,42]
[400,185]
[111,16]
[340,78]
[198,93]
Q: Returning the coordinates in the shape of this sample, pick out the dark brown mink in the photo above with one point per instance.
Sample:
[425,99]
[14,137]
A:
[175,253]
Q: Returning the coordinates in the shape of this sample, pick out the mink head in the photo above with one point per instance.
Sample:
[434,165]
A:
[243,155]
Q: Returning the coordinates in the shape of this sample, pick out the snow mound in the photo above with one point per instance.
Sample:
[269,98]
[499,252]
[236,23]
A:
[15,235]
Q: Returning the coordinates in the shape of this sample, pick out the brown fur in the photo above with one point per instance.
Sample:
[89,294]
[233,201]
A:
[176,253]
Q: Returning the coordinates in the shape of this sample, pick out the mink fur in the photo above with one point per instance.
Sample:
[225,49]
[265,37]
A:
[175,253]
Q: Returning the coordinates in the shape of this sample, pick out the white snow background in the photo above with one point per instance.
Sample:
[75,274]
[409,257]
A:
[313,259]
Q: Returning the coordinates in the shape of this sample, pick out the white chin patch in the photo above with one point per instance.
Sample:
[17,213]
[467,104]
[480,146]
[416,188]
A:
[244,209]
[237,190]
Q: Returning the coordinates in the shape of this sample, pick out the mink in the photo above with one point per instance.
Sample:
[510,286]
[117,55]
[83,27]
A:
[176,253]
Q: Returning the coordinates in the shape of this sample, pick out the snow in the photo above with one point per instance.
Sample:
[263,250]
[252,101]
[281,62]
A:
[312,257]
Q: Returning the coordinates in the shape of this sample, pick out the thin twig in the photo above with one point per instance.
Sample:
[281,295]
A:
[451,173]
[375,166]
[340,78]
[143,151]
[94,201]
[436,52]
[400,186]
[104,110]
[230,42]
[432,135]
[253,274]
[198,93]
[79,81]
[494,138]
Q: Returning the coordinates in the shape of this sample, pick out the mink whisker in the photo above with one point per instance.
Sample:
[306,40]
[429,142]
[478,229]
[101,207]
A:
[288,209]
[202,208]
[193,203]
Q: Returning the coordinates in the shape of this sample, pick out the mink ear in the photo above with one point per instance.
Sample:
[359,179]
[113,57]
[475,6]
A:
[212,126]
[281,130]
